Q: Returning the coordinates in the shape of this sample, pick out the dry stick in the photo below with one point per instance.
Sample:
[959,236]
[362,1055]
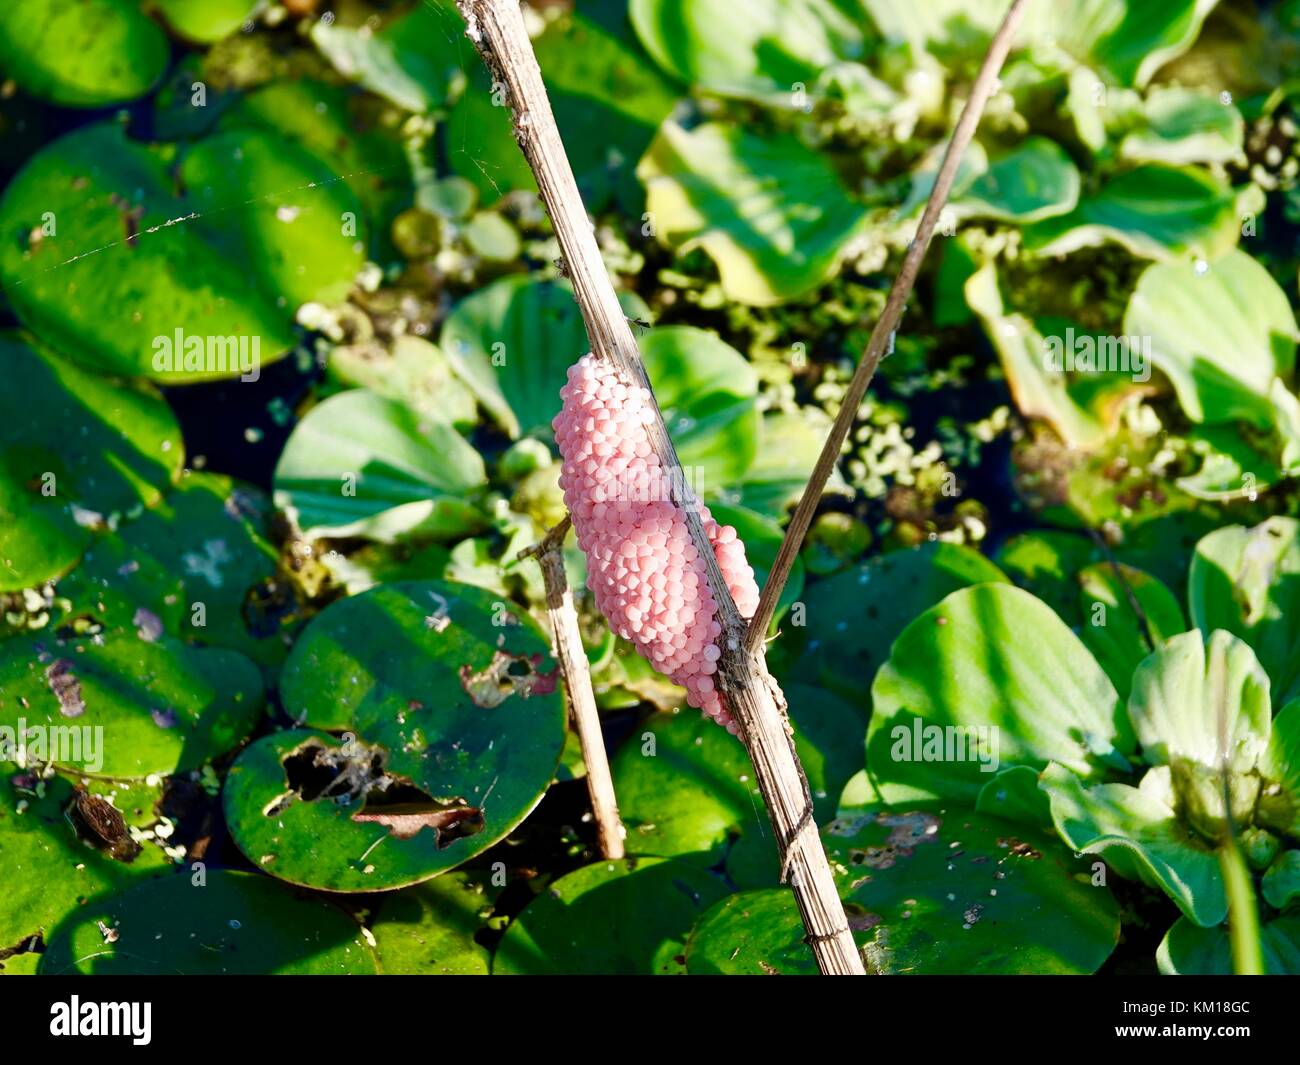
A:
[577,681]
[497,29]
[882,336]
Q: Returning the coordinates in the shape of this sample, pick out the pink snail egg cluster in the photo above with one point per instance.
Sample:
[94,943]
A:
[649,581]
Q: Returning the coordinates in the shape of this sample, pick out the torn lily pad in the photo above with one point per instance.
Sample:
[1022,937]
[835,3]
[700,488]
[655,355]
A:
[452,726]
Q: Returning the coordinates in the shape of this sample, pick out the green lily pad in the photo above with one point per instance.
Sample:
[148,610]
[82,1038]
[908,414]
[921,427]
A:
[1039,391]
[108,264]
[928,891]
[225,923]
[768,211]
[206,21]
[82,53]
[579,924]
[965,693]
[881,595]
[1221,333]
[50,867]
[330,123]
[428,930]
[76,450]
[362,465]
[453,727]
[512,342]
[1114,630]
[760,50]
[1188,950]
[128,703]
[198,562]
[1156,212]
[1140,837]
[686,788]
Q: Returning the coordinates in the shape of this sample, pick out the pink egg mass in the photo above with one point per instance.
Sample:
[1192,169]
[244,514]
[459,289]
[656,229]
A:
[648,579]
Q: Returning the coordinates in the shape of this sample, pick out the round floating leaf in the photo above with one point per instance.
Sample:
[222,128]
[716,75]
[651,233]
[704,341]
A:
[1220,333]
[428,930]
[580,923]
[128,703]
[329,123]
[206,21]
[928,891]
[1140,837]
[224,923]
[76,450]
[754,933]
[965,693]
[761,49]
[768,211]
[686,788]
[362,465]
[1247,582]
[103,260]
[82,53]
[52,860]
[706,392]
[456,728]
[206,535]
[881,595]
[1188,950]
[513,342]
[1125,612]
[1156,212]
